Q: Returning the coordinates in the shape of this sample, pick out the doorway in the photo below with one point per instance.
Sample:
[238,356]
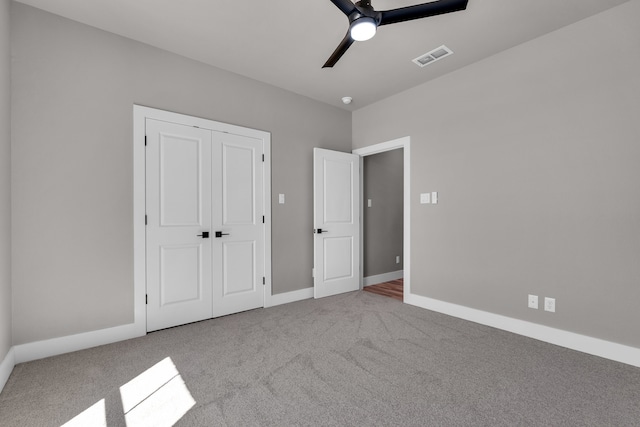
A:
[370,276]
[382,223]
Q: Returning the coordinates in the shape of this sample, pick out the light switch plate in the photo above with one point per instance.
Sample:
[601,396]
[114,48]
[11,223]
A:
[368,202]
[281,198]
[434,197]
[533,301]
[425,198]
[550,304]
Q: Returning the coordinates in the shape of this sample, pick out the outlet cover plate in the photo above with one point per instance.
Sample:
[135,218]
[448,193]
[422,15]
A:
[533,301]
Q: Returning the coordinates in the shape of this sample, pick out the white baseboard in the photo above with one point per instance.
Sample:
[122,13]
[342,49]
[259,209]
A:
[594,346]
[287,297]
[381,278]
[6,367]
[54,346]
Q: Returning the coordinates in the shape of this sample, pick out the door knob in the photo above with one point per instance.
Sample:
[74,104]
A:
[204,235]
[220,234]
[320,231]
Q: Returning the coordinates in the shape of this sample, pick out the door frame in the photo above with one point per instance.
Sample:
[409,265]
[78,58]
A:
[405,144]
[140,114]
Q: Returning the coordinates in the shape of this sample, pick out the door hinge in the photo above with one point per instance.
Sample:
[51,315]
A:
[263,219]
[263,157]
[264,281]
[145,140]
[145,220]
[146,299]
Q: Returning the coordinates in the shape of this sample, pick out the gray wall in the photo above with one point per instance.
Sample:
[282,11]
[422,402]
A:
[74,88]
[383,184]
[5,180]
[535,154]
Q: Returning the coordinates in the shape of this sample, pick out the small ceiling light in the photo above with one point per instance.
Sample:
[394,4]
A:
[347,100]
[363,29]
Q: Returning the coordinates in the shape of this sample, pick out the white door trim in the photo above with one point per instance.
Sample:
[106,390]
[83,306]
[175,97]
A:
[140,114]
[6,367]
[405,143]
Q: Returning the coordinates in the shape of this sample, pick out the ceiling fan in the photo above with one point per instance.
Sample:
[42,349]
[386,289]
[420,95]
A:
[364,20]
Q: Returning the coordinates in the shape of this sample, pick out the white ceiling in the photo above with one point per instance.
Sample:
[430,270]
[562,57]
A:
[286,42]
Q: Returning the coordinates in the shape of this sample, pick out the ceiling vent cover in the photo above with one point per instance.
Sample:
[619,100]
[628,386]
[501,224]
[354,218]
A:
[433,56]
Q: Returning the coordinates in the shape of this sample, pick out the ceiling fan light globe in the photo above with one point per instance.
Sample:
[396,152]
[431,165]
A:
[363,29]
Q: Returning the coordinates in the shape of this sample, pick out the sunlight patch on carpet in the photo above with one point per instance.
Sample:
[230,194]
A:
[157,397]
[94,416]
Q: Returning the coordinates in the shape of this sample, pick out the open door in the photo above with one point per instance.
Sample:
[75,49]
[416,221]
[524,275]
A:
[336,219]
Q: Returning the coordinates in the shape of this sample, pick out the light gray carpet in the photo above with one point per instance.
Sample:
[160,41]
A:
[355,359]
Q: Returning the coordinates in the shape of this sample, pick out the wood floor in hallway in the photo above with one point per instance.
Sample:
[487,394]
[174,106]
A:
[393,289]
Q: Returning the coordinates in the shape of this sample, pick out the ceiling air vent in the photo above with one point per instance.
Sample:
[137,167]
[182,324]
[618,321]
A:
[433,56]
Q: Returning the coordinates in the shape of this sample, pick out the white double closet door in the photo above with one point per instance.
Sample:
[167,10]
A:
[205,230]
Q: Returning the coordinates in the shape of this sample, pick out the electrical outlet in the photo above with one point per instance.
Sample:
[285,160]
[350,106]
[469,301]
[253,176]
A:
[550,304]
[533,301]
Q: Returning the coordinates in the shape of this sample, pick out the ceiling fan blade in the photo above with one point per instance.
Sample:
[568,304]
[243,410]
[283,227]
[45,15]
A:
[422,11]
[345,6]
[346,42]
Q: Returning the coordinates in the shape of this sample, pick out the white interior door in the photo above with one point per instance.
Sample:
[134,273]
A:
[205,224]
[238,224]
[336,217]
[178,198]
